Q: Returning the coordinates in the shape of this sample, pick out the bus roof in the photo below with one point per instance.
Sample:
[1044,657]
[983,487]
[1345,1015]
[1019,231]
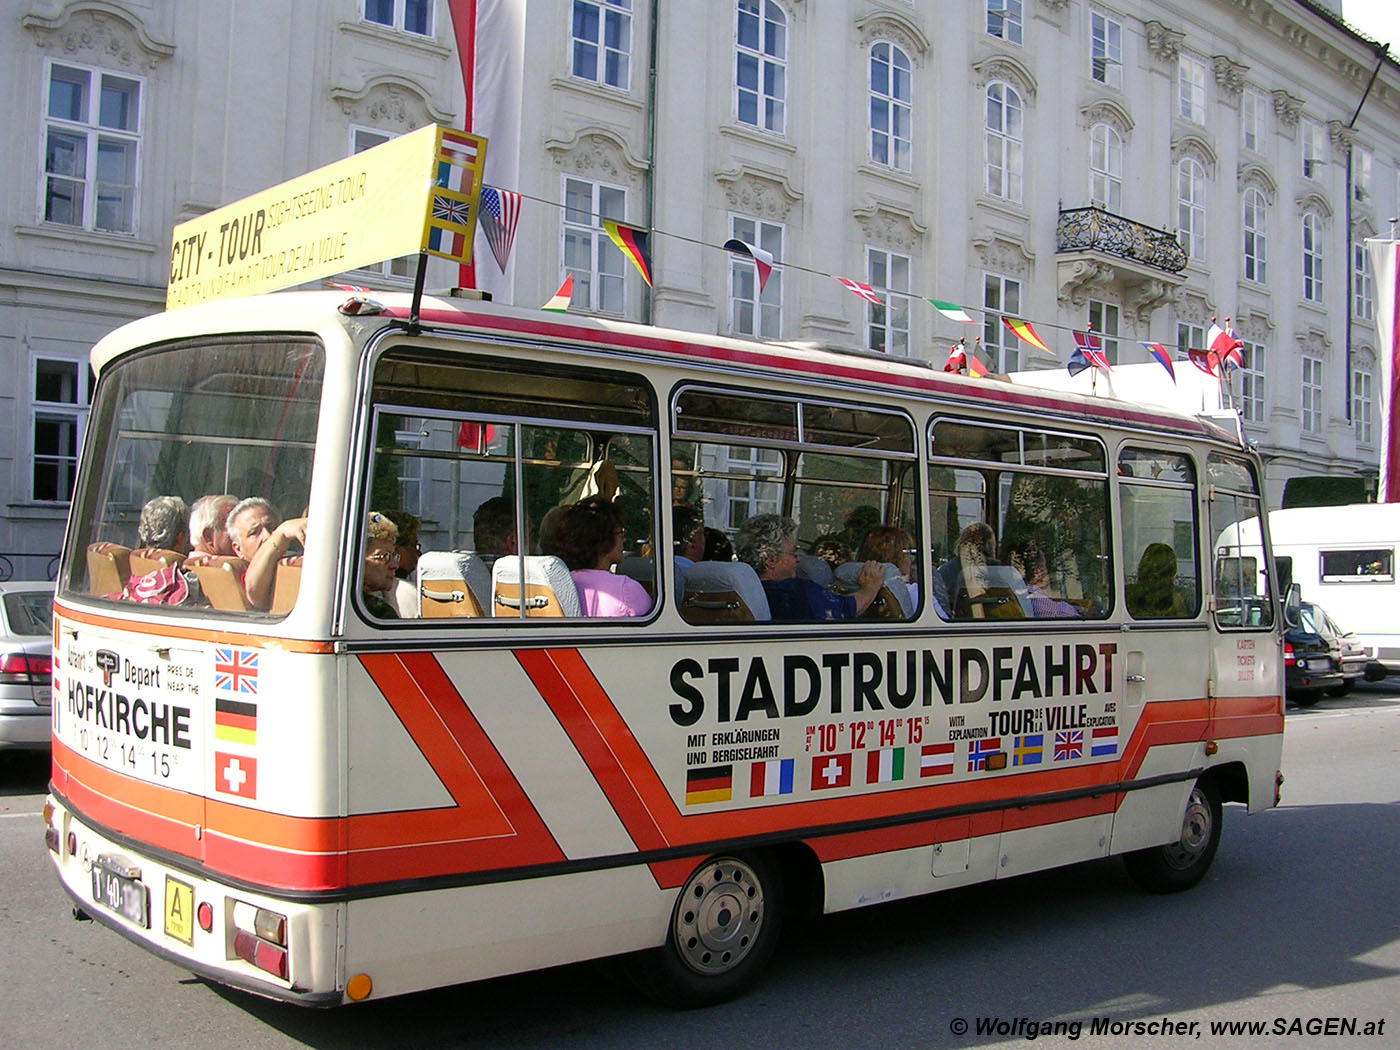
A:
[319,311]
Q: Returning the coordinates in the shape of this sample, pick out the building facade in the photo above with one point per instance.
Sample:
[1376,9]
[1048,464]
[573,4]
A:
[1136,167]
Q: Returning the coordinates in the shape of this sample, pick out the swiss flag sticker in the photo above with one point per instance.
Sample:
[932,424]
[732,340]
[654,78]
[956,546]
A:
[236,774]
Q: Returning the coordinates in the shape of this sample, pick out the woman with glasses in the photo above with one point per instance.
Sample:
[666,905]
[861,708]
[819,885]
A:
[381,559]
[589,538]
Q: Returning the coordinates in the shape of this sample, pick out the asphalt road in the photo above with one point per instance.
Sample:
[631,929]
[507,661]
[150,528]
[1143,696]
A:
[1297,922]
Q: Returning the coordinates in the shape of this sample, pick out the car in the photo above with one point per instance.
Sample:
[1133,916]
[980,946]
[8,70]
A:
[1356,662]
[1312,659]
[26,664]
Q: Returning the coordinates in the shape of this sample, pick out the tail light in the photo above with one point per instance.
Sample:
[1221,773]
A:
[260,938]
[25,669]
[1288,657]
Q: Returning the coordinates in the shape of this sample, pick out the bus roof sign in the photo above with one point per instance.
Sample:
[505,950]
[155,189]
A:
[418,192]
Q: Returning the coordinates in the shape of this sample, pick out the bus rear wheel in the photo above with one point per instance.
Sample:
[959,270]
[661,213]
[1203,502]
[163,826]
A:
[723,929]
[1183,862]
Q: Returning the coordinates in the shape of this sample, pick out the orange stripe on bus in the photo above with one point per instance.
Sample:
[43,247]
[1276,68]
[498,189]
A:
[198,634]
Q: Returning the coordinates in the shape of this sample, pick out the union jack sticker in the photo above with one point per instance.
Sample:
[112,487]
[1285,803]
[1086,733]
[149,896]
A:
[236,671]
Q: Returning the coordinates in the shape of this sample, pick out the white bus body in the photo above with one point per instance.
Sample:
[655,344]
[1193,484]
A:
[324,803]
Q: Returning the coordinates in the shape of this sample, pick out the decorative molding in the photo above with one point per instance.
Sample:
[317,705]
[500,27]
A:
[1255,326]
[764,139]
[754,191]
[1055,5]
[607,96]
[1229,77]
[1003,255]
[1288,108]
[1362,228]
[1311,200]
[889,225]
[1004,67]
[1257,176]
[1106,111]
[1314,341]
[101,33]
[1341,136]
[1195,146]
[595,150]
[1192,308]
[894,27]
[392,103]
[1163,44]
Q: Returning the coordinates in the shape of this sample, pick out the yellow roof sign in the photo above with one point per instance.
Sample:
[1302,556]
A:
[418,192]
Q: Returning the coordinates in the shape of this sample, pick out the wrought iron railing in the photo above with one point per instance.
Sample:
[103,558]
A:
[1093,229]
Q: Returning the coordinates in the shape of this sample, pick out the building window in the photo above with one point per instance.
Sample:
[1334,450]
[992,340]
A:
[362,139]
[1363,285]
[760,75]
[891,116]
[1254,119]
[1255,236]
[412,16]
[1105,49]
[1105,168]
[1190,337]
[1191,88]
[61,389]
[1001,297]
[1190,207]
[1103,322]
[752,312]
[887,325]
[1312,395]
[92,137]
[1312,257]
[1311,136]
[1361,406]
[590,256]
[602,42]
[1005,136]
[1360,174]
[1252,382]
[1004,20]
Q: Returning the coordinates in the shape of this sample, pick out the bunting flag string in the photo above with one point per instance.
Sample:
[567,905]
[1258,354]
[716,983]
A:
[634,242]
[1160,355]
[952,311]
[762,260]
[1023,331]
[499,216]
[865,291]
[559,301]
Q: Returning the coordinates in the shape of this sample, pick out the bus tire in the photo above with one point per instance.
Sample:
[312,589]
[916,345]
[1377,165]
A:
[723,929]
[1305,697]
[1180,864]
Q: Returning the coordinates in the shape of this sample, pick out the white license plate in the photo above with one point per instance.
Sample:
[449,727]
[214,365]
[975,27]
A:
[1319,663]
[124,895]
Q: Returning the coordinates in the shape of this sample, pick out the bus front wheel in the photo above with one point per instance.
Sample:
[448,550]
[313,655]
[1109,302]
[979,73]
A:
[1183,862]
[723,929]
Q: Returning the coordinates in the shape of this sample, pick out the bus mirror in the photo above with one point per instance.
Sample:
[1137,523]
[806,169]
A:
[1293,605]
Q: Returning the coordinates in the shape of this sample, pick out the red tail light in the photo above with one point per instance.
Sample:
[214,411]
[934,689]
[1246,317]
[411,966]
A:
[24,669]
[1288,656]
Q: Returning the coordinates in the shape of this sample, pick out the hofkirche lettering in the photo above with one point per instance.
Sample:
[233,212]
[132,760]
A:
[794,685]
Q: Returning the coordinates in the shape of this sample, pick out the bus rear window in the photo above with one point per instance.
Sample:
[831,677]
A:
[1368,565]
[232,418]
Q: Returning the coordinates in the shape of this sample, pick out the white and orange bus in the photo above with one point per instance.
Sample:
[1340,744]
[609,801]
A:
[326,795]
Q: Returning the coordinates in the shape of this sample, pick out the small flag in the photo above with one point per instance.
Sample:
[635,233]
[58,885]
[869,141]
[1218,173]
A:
[831,771]
[473,436]
[771,777]
[1205,360]
[499,216]
[236,774]
[236,671]
[762,260]
[975,368]
[1225,345]
[1089,344]
[559,301]
[952,311]
[1023,331]
[935,760]
[1069,744]
[1160,355]
[1104,741]
[863,290]
[634,242]
[236,721]
[980,751]
[884,766]
[710,784]
[957,357]
[1028,750]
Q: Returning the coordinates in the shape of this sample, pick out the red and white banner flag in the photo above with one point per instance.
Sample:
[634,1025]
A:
[1384,260]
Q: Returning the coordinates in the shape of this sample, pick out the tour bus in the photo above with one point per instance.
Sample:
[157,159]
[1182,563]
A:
[323,796]
[1343,558]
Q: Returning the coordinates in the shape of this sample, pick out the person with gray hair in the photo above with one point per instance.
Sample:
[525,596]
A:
[165,523]
[209,524]
[768,543]
[260,537]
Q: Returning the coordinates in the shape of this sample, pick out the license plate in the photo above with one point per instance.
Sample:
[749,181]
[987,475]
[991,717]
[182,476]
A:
[1319,663]
[179,910]
[117,887]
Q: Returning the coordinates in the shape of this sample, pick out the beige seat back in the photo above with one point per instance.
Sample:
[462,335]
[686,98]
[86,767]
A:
[221,580]
[109,567]
[452,584]
[285,585]
[546,590]
[149,559]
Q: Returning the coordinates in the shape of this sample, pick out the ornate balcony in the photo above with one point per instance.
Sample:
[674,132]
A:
[1102,255]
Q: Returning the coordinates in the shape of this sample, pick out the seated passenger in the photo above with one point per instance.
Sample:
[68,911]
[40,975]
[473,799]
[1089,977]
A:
[381,558]
[833,552]
[1029,561]
[493,529]
[1154,593]
[261,538]
[209,526]
[165,523]
[405,594]
[688,528]
[717,546]
[589,538]
[768,543]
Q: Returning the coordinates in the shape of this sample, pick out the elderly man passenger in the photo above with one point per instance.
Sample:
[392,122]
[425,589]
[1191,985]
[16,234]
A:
[768,543]
[260,537]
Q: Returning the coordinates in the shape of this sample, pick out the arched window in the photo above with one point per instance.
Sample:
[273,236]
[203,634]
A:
[1005,142]
[1191,207]
[1312,257]
[1256,228]
[1105,168]
[890,106]
[760,70]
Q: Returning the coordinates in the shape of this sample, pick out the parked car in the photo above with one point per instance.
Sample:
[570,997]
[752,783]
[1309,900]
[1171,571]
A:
[26,664]
[1312,659]
[1356,662]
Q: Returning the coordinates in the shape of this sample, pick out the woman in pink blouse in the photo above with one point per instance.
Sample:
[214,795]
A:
[589,538]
